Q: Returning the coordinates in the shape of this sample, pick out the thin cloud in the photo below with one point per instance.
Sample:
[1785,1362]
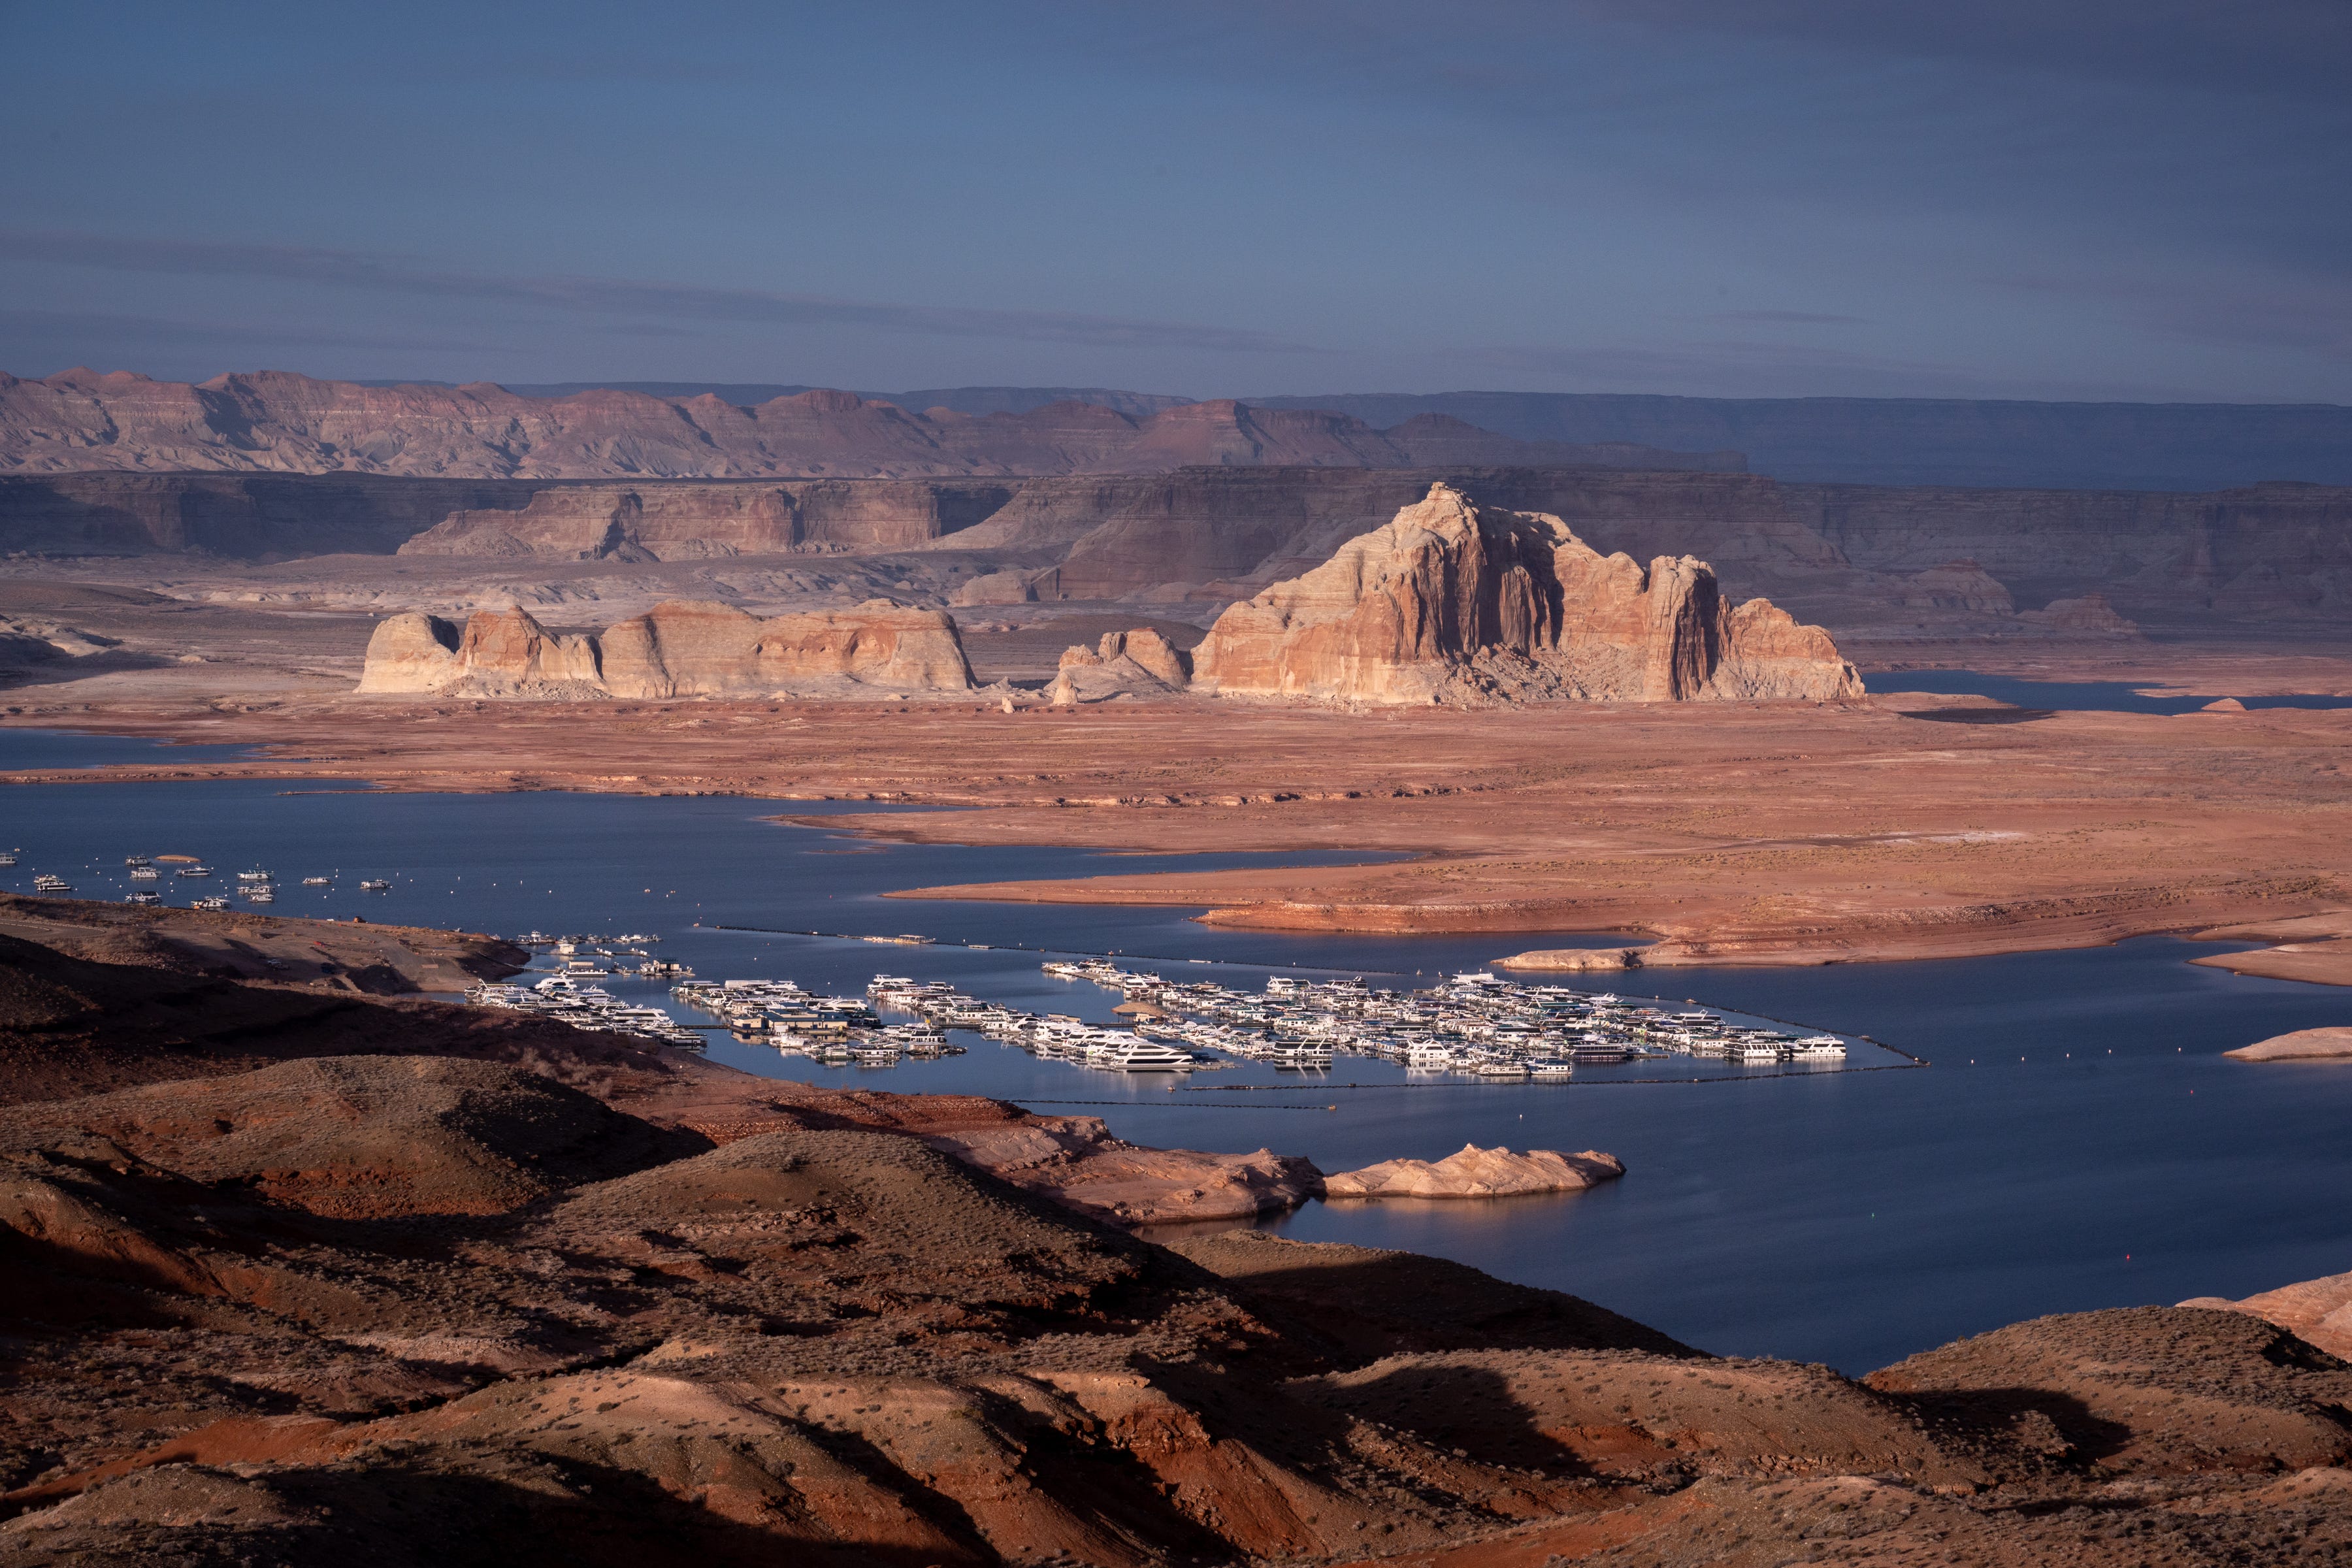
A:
[17,327]
[617,297]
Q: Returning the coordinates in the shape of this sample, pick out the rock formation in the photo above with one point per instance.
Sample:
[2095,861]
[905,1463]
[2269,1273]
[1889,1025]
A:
[2086,613]
[2333,1044]
[1455,603]
[1475,1173]
[1084,1167]
[1960,584]
[30,643]
[1140,663]
[681,647]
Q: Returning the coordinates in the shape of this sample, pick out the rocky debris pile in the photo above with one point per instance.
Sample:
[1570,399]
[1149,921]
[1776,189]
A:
[1455,602]
[1475,1173]
[681,647]
[2330,1043]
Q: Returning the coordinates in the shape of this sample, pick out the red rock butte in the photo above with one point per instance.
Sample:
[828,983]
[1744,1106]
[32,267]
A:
[1456,603]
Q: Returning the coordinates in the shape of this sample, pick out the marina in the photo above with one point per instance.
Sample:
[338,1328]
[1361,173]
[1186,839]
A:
[1823,1210]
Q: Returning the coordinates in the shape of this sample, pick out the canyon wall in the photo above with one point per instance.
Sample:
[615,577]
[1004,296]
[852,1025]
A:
[681,647]
[698,521]
[277,422]
[246,517]
[2267,558]
[1455,601]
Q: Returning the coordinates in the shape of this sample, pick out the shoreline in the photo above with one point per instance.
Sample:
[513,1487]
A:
[1731,836]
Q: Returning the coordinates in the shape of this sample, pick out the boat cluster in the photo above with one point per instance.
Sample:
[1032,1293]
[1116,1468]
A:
[840,1031]
[257,887]
[1050,1037]
[1474,1024]
[593,957]
[585,1006]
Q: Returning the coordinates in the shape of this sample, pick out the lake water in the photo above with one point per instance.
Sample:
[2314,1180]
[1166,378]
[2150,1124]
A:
[2078,1142]
[2070,696]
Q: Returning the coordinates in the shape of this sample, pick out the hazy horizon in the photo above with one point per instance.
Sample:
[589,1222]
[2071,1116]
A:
[1812,198]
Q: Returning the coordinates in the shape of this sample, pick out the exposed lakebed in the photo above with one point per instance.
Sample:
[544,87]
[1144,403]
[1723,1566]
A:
[2079,1142]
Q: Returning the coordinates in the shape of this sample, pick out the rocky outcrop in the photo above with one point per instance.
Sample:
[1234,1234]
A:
[1158,658]
[2089,613]
[681,647]
[1572,960]
[276,422]
[1961,585]
[1455,603]
[30,643]
[1140,663]
[1009,587]
[1076,1162]
[1475,1173]
[2317,1311]
[411,651]
[2333,1044]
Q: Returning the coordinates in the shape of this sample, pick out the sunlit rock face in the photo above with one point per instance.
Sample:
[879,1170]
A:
[1452,602]
[681,647]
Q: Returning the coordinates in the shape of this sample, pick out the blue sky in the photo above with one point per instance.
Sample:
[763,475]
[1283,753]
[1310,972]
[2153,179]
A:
[1727,198]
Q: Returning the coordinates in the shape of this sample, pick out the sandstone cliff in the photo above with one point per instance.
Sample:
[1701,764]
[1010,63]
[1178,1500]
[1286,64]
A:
[688,522]
[681,647]
[281,423]
[1455,603]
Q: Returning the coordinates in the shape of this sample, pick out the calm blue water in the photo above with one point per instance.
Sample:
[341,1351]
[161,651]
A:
[2070,696]
[45,750]
[2077,1143]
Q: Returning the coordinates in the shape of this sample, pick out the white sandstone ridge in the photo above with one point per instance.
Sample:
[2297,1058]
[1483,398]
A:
[681,647]
[2332,1043]
[1475,1173]
[1452,602]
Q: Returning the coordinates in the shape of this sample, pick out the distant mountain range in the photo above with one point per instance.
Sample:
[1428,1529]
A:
[1825,441]
[276,422]
[283,423]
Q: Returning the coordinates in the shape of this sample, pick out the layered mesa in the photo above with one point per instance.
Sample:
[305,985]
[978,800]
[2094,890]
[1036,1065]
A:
[1449,602]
